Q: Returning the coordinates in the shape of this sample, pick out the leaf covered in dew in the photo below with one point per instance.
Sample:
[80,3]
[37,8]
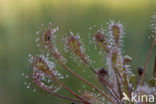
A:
[115,33]
[42,71]
[101,40]
[74,44]
[75,47]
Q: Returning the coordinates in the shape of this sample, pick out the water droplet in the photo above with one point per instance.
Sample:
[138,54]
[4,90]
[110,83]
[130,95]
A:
[26,76]
[83,86]
[48,81]
[29,55]
[34,90]
[22,74]
[67,76]
[28,86]
[25,83]
[37,32]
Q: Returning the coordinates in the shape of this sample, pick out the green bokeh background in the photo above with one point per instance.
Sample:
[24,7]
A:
[20,19]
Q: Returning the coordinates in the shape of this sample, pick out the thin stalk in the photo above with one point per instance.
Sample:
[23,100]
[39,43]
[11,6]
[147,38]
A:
[124,80]
[67,98]
[119,86]
[55,94]
[125,84]
[146,63]
[109,91]
[101,77]
[76,75]
[120,76]
[87,82]
[69,90]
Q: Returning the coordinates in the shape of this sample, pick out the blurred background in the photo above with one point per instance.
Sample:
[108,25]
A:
[20,19]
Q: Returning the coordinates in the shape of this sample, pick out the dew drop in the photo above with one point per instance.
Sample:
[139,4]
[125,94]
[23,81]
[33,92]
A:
[22,74]
[26,77]
[34,90]
[38,45]
[37,32]
[30,55]
[67,76]
[25,83]
[83,86]
[48,81]
[28,86]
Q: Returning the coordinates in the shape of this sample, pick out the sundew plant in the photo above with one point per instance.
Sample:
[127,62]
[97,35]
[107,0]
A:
[119,85]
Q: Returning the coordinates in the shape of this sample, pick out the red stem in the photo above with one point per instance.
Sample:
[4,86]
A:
[87,82]
[57,56]
[146,63]
[47,89]
[101,77]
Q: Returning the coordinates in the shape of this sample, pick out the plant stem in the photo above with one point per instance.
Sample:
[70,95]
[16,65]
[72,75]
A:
[57,57]
[102,78]
[146,63]
[87,82]
[69,90]
[47,89]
